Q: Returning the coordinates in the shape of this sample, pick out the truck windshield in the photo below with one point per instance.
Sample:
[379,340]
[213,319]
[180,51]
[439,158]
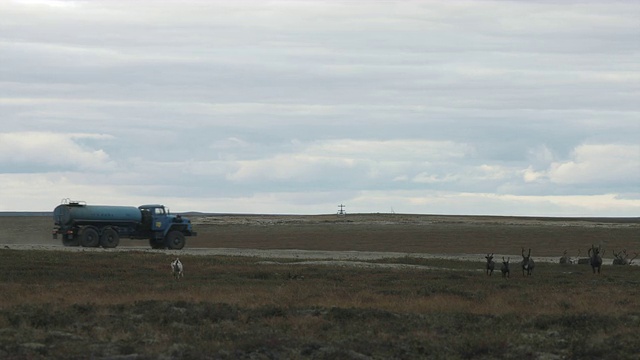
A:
[159,211]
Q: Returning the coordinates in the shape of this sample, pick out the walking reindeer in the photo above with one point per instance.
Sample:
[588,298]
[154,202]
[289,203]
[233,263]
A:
[490,264]
[177,268]
[595,259]
[505,267]
[527,263]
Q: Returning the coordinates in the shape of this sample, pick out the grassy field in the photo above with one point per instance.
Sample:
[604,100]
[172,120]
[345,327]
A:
[126,305]
[80,305]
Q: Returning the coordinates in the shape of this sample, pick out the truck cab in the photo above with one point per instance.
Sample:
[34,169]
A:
[166,230]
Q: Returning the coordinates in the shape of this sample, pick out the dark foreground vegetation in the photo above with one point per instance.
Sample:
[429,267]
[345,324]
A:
[126,305]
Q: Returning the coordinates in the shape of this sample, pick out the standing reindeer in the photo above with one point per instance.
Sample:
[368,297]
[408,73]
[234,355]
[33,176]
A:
[594,258]
[490,264]
[527,263]
[505,267]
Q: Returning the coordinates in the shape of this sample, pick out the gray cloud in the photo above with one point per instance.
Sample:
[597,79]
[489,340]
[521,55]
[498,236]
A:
[510,107]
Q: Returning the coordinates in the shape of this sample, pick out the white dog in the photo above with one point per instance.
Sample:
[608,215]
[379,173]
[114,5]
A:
[177,268]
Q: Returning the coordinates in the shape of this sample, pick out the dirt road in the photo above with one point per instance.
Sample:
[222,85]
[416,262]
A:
[351,258]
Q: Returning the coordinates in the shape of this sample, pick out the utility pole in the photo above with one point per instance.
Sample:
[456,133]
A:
[341,212]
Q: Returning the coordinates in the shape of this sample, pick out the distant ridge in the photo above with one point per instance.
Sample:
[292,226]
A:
[604,219]
[26,213]
[542,218]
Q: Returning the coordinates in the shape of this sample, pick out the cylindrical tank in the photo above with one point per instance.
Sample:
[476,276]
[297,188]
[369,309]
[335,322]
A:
[67,214]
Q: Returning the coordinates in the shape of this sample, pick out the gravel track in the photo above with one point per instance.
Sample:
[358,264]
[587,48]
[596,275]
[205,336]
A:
[343,258]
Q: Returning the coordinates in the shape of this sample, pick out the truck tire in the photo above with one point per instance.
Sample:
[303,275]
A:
[175,240]
[109,238]
[89,237]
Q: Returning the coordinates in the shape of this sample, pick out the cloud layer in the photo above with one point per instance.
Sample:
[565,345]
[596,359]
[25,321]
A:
[463,107]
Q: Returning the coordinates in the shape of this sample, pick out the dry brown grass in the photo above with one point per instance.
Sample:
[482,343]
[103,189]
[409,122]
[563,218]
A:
[108,304]
[240,307]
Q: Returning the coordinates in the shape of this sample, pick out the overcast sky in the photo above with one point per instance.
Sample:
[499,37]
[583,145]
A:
[433,107]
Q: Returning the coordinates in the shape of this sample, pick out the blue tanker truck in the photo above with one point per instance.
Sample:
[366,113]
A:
[85,225]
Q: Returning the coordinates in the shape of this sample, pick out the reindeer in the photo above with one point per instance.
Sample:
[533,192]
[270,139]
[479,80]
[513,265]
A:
[505,267]
[629,261]
[527,263]
[635,255]
[619,257]
[594,258]
[622,258]
[177,268]
[490,264]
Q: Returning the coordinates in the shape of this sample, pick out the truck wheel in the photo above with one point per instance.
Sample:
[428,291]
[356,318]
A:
[89,237]
[157,244]
[109,238]
[175,240]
